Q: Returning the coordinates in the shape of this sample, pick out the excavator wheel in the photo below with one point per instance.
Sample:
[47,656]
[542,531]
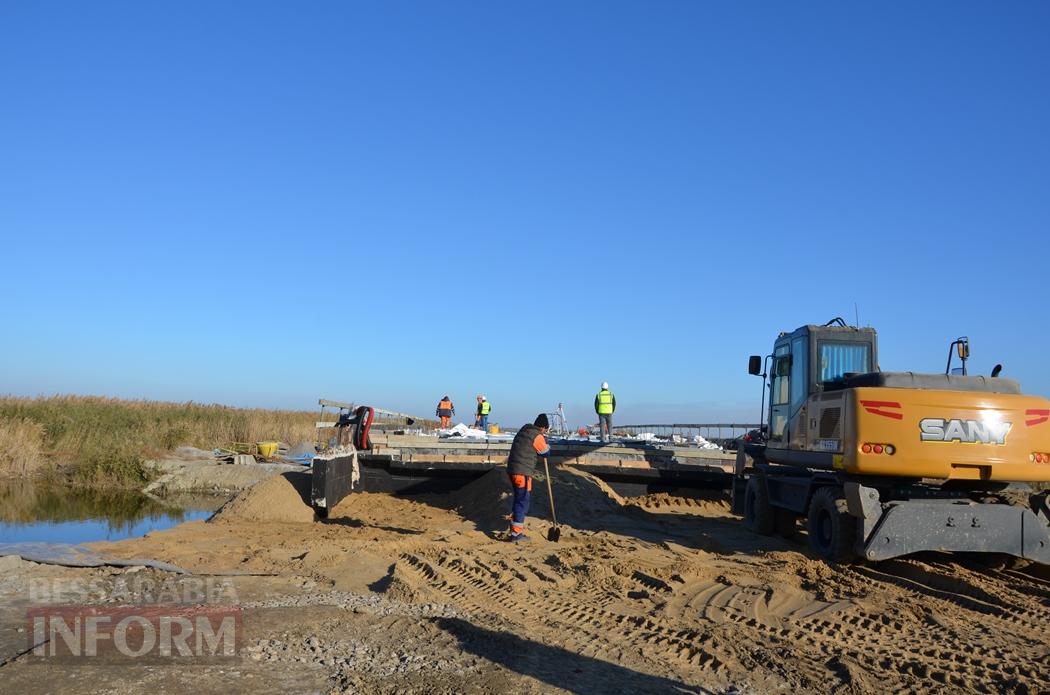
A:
[786,522]
[758,512]
[832,530]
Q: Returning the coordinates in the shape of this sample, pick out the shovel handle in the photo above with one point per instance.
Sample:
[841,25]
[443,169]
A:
[550,492]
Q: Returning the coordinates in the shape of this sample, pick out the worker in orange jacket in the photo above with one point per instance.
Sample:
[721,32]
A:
[445,411]
[528,446]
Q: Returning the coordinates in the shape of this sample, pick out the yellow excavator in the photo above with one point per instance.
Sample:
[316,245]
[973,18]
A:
[882,464]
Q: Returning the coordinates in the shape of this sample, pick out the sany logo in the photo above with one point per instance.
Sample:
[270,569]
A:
[935,429]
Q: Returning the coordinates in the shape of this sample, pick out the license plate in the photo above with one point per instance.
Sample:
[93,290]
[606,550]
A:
[828,445]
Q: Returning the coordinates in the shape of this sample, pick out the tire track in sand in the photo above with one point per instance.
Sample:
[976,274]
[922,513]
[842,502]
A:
[918,581]
[652,639]
[817,632]
[883,645]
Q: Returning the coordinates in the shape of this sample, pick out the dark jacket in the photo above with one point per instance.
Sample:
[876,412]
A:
[525,451]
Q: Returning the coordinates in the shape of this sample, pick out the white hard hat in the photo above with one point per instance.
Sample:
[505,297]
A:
[605,384]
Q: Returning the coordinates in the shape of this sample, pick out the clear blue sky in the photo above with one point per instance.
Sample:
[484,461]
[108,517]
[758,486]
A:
[265,203]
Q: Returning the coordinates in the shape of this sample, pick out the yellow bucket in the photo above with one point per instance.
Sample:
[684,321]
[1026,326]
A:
[493,429]
[267,449]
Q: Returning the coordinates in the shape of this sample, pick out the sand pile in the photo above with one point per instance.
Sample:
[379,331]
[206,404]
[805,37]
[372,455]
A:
[580,499]
[486,501]
[714,502]
[283,498]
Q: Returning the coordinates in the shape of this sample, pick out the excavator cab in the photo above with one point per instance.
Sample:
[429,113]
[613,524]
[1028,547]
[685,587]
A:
[807,361]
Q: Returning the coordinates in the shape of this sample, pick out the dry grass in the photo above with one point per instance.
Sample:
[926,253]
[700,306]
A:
[21,447]
[105,440]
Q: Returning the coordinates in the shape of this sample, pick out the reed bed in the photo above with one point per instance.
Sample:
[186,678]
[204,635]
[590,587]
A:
[96,440]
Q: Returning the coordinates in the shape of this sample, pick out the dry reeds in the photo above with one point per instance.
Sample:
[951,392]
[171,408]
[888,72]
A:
[21,447]
[98,440]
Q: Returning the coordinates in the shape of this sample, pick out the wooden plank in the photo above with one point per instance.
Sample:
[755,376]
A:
[396,440]
[325,403]
[468,458]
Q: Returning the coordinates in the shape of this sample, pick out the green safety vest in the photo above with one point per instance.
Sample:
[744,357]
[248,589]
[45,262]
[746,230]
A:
[605,402]
[485,408]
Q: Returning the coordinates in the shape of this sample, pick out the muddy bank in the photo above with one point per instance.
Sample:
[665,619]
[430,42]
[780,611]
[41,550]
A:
[207,475]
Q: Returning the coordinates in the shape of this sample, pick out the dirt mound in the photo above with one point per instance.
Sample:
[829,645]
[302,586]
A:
[486,501]
[283,498]
[579,498]
[716,502]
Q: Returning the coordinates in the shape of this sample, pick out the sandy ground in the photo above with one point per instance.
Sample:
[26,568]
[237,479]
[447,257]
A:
[659,594]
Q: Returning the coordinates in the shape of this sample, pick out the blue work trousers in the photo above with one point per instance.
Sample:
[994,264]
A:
[522,487]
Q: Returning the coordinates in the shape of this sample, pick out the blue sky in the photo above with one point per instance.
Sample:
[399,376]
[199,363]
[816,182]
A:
[261,204]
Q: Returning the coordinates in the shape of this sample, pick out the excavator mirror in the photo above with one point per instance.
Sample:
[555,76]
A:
[754,365]
[964,349]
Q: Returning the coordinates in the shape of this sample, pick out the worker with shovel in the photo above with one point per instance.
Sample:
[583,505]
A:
[528,446]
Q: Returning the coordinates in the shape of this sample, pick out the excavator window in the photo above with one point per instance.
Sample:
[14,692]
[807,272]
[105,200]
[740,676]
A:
[799,390]
[780,397]
[837,359]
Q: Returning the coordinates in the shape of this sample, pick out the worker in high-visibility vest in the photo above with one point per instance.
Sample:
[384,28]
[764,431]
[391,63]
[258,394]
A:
[605,406]
[481,419]
[445,411]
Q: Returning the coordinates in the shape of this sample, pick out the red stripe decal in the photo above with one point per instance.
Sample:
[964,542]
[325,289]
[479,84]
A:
[880,404]
[1037,416]
[875,408]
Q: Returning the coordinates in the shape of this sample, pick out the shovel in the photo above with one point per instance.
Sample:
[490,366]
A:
[553,533]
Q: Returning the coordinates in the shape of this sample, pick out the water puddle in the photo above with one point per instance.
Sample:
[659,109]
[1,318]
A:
[32,512]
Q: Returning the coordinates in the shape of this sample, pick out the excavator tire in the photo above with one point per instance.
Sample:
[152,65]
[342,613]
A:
[832,530]
[786,522]
[759,515]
